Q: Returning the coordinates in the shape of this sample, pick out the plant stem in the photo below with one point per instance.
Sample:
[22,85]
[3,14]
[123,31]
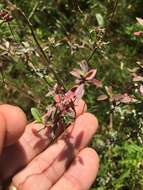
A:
[92,54]
[114,11]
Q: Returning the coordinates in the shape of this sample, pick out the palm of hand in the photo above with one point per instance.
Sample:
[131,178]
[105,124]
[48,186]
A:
[65,165]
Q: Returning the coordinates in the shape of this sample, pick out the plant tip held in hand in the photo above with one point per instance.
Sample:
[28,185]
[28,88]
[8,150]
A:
[62,111]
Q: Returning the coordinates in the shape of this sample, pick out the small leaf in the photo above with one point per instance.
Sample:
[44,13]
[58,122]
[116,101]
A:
[140,20]
[126,98]
[138,78]
[109,90]
[102,97]
[139,33]
[76,73]
[100,19]
[141,90]
[7,44]
[79,93]
[84,66]
[37,115]
[117,97]
[90,74]
[58,98]
[70,94]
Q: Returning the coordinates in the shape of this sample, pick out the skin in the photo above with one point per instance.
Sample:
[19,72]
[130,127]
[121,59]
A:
[34,164]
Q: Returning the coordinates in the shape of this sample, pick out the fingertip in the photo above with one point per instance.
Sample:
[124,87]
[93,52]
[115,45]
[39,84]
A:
[92,156]
[15,120]
[88,120]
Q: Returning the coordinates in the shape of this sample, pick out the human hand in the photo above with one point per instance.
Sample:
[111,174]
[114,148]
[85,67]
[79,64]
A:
[65,165]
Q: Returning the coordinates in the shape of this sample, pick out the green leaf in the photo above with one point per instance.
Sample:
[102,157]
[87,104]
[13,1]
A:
[37,115]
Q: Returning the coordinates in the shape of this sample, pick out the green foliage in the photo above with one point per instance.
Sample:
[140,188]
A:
[68,31]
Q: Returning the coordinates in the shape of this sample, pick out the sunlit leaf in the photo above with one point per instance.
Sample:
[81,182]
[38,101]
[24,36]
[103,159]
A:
[100,19]
[37,115]
[76,73]
[80,91]
[140,20]
[102,97]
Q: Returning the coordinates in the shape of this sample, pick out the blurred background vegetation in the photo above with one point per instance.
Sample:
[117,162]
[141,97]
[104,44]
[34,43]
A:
[69,32]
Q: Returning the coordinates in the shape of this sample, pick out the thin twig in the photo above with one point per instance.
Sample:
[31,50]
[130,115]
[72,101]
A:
[92,54]
[33,10]
[11,31]
[106,30]
[114,11]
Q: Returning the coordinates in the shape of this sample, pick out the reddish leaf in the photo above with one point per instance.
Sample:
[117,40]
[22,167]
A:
[141,89]
[58,98]
[139,33]
[137,78]
[97,83]
[126,98]
[102,97]
[70,94]
[90,74]
[76,73]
